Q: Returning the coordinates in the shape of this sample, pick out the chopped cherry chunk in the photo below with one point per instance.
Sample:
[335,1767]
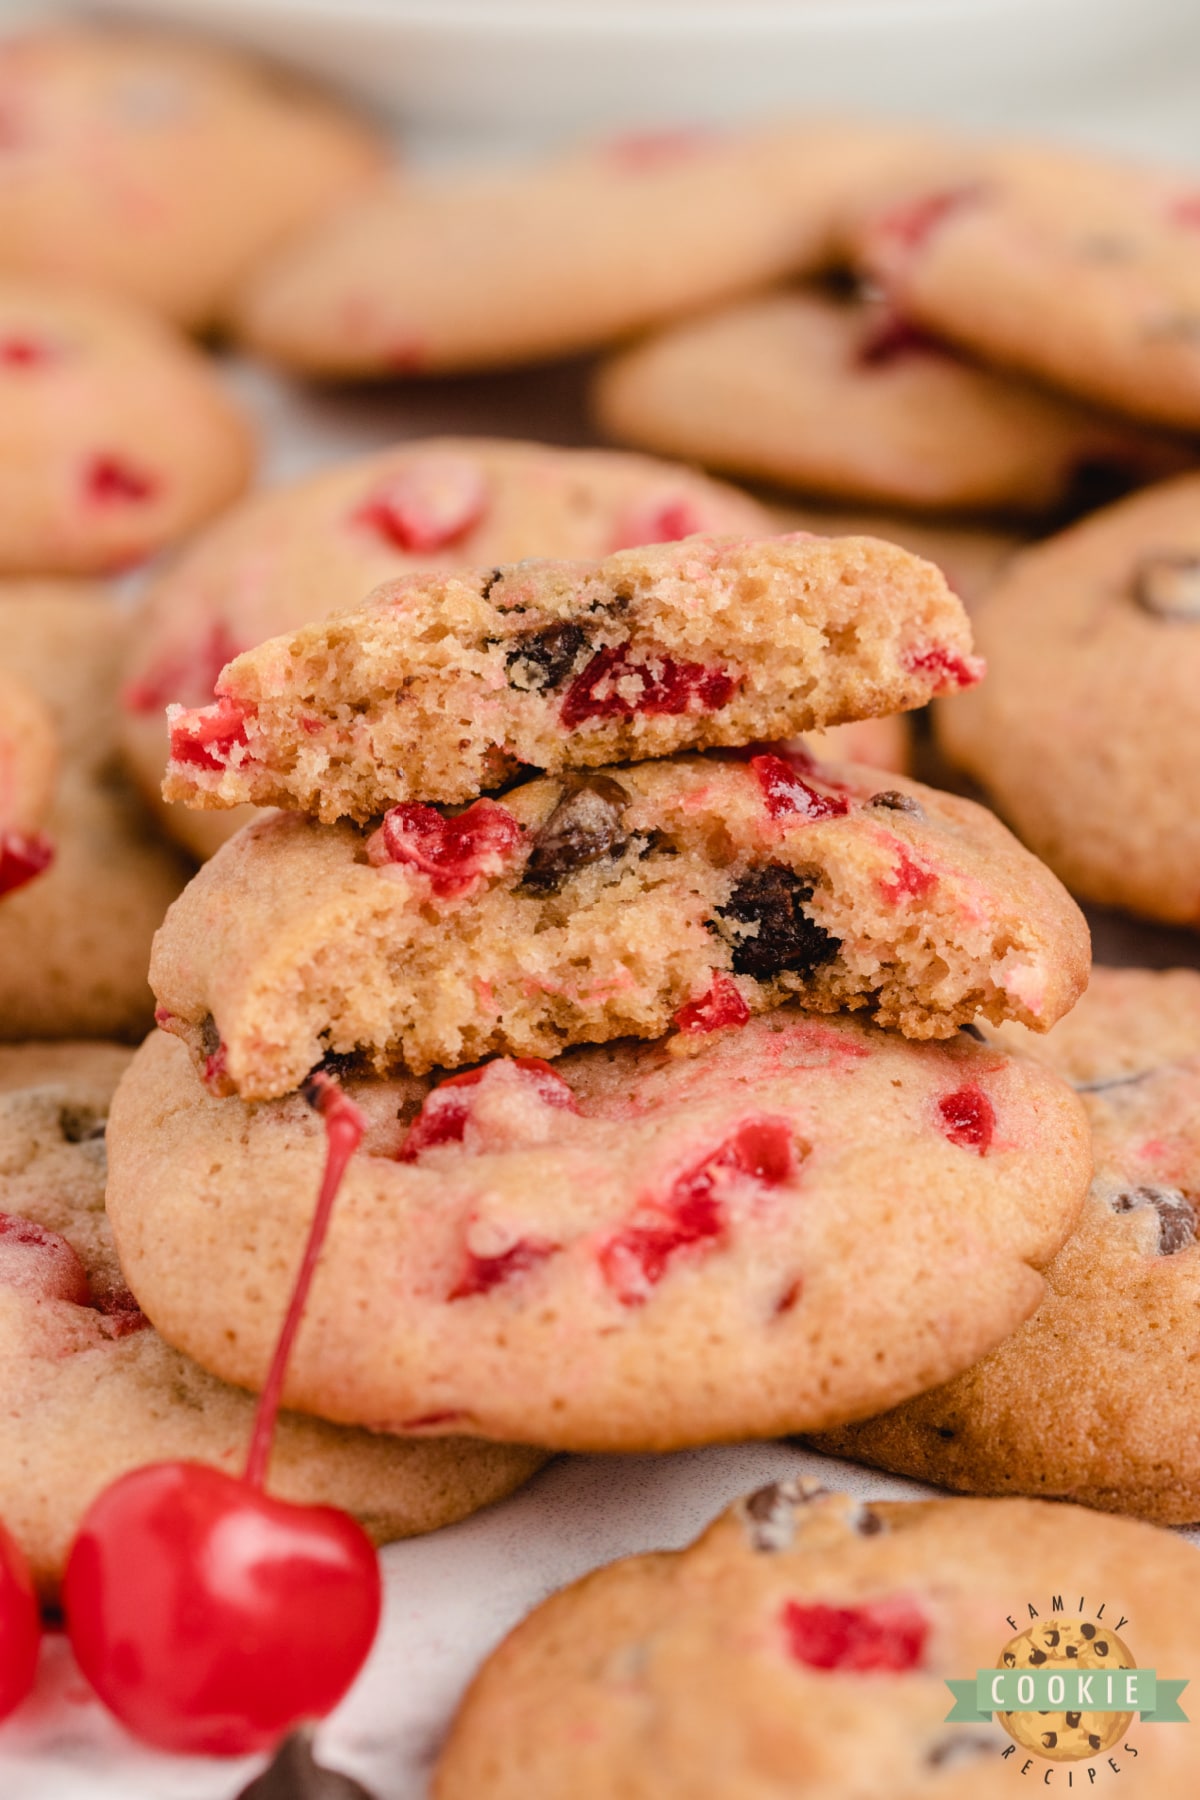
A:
[950,670]
[891,338]
[23,855]
[108,480]
[453,852]
[122,1311]
[692,1213]
[968,1118]
[785,792]
[447,1108]
[614,685]
[876,1637]
[189,675]
[23,353]
[908,880]
[483,1273]
[429,505]
[40,1263]
[1186,211]
[722,1005]
[660,519]
[204,736]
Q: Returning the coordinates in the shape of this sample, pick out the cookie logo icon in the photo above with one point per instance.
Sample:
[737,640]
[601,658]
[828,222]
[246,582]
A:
[1066,1645]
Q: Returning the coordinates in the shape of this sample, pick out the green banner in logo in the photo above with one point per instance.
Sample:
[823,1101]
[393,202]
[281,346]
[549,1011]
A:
[1068,1690]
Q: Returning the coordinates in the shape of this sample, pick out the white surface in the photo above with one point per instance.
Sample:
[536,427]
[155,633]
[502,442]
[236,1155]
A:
[450,1598]
[1121,70]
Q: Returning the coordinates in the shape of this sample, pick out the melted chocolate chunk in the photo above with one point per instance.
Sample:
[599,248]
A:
[1072,1720]
[210,1037]
[973,1031]
[342,1065]
[294,1774]
[772,899]
[894,801]
[544,659]
[494,575]
[1168,585]
[586,826]
[81,1124]
[1087,1631]
[1176,1215]
[1049,1739]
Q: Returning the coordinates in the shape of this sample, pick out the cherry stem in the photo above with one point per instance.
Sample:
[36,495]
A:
[344,1128]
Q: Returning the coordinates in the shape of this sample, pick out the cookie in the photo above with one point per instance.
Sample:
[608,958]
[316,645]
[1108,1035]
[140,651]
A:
[75,935]
[116,436]
[442,685]
[161,168]
[801,1648]
[883,744]
[843,397]
[578,909]
[1067,1736]
[1087,723]
[297,552]
[28,755]
[971,557]
[597,243]
[633,1249]
[1079,271]
[1095,1397]
[92,1392]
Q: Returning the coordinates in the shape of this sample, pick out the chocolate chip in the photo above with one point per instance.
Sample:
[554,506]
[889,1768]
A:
[294,1774]
[945,1431]
[543,659]
[1072,1720]
[80,1124]
[973,1031]
[1093,1740]
[769,1514]
[1176,1215]
[586,825]
[210,1037]
[494,575]
[775,933]
[1168,585]
[867,1522]
[1101,1646]
[1052,1638]
[894,801]
[1049,1739]
[342,1065]
[1087,1631]
[1037,1658]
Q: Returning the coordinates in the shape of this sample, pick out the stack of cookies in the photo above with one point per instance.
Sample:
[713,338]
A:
[680,1128]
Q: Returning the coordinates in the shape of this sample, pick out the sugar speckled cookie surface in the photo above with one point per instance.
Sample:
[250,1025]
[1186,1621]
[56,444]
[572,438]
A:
[91,1391]
[633,1249]
[1086,732]
[440,686]
[116,436]
[158,167]
[801,1648]
[570,253]
[580,909]
[848,399]
[75,938]
[1081,271]
[297,552]
[1096,1397]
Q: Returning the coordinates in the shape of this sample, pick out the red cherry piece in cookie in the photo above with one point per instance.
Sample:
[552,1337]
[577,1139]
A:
[878,1637]
[661,519]
[446,1109]
[951,670]
[209,1617]
[110,481]
[428,506]
[1186,211]
[189,676]
[124,1315]
[20,1626]
[892,338]
[721,1006]
[23,855]
[453,852]
[204,736]
[968,1118]
[40,1263]
[910,226]
[483,1273]
[692,1214]
[909,879]
[23,353]
[786,794]
[616,685]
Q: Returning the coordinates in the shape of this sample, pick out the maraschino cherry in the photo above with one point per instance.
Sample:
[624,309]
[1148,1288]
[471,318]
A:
[208,1616]
[20,1626]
